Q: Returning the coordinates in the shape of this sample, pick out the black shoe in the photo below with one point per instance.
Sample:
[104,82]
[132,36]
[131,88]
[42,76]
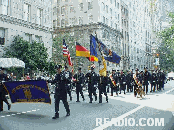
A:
[124,93]
[107,101]
[83,99]
[90,102]
[9,106]
[56,116]
[68,114]
[71,98]
[100,102]
[119,93]
[77,101]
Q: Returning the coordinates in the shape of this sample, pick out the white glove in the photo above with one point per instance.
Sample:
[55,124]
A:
[67,76]
[124,82]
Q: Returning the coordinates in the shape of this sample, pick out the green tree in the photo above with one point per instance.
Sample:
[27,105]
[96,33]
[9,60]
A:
[57,55]
[33,54]
[166,47]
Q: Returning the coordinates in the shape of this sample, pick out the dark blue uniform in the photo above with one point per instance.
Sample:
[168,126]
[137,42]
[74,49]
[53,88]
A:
[122,82]
[146,78]
[153,81]
[103,82]
[68,76]
[92,79]
[60,93]
[79,84]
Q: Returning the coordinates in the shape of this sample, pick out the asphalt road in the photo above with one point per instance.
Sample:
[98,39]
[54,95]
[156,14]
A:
[38,116]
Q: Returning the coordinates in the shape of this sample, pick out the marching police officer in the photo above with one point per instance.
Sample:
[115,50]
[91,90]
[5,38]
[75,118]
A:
[137,81]
[153,80]
[128,81]
[122,82]
[113,82]
[79,79]
[3,92]
[146,78]
[68,75]
[92,83]
[161,78]
[60,91]
[103,82]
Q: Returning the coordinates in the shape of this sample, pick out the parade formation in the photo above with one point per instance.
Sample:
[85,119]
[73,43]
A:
[100,83]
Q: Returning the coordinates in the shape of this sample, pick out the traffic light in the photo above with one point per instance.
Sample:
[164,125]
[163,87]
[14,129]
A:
[157,55]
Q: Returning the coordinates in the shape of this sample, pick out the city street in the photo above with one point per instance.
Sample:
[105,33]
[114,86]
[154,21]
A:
[38,116]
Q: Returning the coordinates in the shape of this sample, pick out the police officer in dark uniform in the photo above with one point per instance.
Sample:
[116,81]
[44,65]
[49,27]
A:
[146,78]
[108,81]
[68,75]
[3,92]
[79,79]
[153,80]
[128,81]
[92,80]
[60,91]
[138,79]
[117,80]
[113,83]
[161,78]
[122,82]
[103,82]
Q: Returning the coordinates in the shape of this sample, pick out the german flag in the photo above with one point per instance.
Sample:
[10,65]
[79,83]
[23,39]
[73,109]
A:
[83,52]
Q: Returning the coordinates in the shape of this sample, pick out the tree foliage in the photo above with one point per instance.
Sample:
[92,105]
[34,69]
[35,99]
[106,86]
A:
[71,43]
[166,47]
[33,54]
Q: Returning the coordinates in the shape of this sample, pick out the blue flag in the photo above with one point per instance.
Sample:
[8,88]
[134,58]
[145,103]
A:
[109,55]
[93,47]
[28,91]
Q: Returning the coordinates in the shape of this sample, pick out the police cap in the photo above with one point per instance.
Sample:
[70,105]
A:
[66,67]
[79,68]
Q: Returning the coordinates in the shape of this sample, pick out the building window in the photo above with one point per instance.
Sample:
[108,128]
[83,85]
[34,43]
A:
[118,16]
[39,16]
[38,38]
[90,18]
[66,21]
[90,5]
[28,37]
[2,36]
[81,6]
[80,20]
[106,21]
[62,22]
[5,4]
[111,23]
[27,12]
[103,19]
[54,23]
[106,9]
[111,1]
[111,11]
[103,6]
[116,26]
[117,5]
[71,9]
[63,10]
[125,35]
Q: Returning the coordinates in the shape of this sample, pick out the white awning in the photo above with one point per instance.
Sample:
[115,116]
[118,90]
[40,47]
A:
[11,62]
